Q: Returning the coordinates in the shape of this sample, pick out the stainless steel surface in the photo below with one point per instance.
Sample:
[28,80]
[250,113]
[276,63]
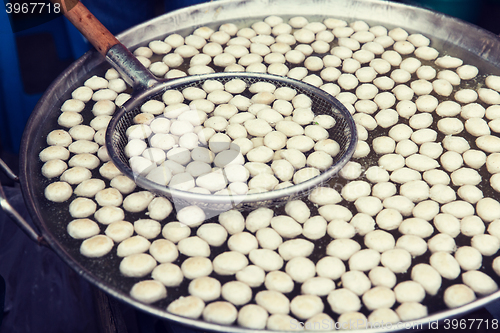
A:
[472,44]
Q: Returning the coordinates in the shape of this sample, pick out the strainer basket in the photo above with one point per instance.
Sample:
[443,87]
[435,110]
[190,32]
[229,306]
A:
[344,133]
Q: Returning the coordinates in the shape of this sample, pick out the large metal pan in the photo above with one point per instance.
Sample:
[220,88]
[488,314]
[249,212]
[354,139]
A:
[471,43]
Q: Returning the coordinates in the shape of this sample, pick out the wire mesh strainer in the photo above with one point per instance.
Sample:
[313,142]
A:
[344,133]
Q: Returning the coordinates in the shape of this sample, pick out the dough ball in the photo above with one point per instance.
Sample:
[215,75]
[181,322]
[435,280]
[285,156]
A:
[238,293]
[445,264]
[382,276]
[206,288]
[383,315]
[228,263]
[314,228]
[342,248]
[409,291]
[194,247]
[109,214]
[196,267]
[119,231]
[379,298]
[487,208]
[306,306]
[252,316]
[397,260]
[343,301]
[191,216]
[268,238]
[138,201]
[187,306]
[486,244]
[389,219]
[252,275]
[273,301]
[479,282]
[356,281]
[96,246]
[458,295]
[300,269]
[175,231]
[163,251]
[148,291]
[58,191]
[286,226]
[330,267]
[468,258]
[282,322]
[82,207]
[266,259]
[411,311]
[233,221]
[400,203]
[415,245]
[242,242]
[258,219]
[295,248]
[109,197]
[82,228]
[364,260]
[123,184]
[88,161]
[320,286]
[168,274]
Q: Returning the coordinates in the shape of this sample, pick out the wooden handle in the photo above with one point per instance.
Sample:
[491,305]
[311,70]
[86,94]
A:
[88,25]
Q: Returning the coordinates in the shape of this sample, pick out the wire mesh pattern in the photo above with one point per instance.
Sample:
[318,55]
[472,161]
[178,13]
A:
[344,133]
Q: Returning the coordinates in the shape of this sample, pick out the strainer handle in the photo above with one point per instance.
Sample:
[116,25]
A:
[131,69]
[89,26]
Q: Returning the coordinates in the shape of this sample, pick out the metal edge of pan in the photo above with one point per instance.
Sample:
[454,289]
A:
[29,152]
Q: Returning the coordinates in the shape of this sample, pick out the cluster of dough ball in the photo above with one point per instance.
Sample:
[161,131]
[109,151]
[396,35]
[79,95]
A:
[232,138]
[416,185]
[273,251]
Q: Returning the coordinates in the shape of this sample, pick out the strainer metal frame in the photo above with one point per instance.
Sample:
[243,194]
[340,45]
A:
[115,136]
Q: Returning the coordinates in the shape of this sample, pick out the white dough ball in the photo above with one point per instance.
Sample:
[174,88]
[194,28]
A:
[458,295]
